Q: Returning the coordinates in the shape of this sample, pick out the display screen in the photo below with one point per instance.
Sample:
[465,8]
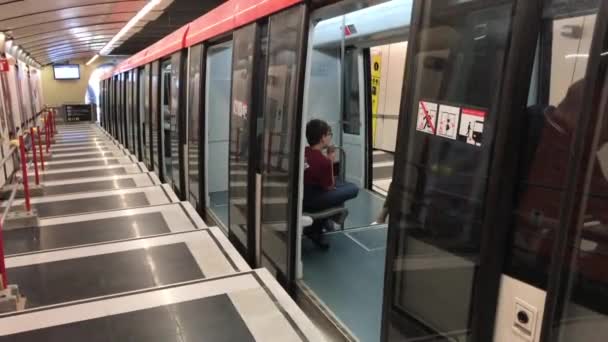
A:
[66,71]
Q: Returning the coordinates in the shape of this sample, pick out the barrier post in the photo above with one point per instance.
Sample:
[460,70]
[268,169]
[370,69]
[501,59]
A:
[52,118]
[40,148]
[54,121]
[2,263]
[33,137]
[26,188]
[46,133]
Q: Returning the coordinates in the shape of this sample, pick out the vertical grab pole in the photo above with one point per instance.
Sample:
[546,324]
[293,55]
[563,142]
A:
[26,188]
[33,137]
[2,264]
[40,148]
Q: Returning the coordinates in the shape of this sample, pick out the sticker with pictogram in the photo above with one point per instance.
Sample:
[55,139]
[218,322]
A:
[447,121]
[427,117]
[471,126]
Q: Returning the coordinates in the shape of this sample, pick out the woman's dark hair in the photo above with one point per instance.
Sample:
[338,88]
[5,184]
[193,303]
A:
[315,130]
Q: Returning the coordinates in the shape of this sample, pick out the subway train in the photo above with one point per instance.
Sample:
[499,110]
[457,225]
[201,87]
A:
[479,125]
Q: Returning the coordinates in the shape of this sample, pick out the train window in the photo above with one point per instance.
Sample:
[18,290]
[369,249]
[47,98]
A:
[194,125]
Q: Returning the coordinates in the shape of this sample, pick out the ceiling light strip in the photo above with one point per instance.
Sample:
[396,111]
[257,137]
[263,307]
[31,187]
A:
[145,10]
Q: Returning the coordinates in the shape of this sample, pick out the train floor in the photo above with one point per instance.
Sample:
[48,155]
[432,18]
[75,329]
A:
[352,293]
[118,257]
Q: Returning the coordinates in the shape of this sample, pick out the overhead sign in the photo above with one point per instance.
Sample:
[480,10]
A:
[4,66]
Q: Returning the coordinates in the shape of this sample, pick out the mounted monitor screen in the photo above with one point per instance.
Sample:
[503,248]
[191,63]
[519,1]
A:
[66,72]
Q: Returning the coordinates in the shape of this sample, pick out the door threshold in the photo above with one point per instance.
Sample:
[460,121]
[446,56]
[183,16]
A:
[325,320]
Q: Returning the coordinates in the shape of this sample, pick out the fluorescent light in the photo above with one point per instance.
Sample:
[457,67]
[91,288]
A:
[604,53]
[142,12]
[92,59]
[577,55]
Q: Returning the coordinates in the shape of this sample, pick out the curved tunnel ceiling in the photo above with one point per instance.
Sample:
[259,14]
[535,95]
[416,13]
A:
[53,31]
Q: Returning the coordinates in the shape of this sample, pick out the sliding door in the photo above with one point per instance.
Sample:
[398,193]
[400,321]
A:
[194,157]
[281,142]
[469,69]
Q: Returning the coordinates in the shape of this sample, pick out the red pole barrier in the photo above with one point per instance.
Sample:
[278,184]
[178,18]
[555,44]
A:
[46,133]
[37,177]
[26,188]
[2,264]
[54,121]
[40,148]
[52,124]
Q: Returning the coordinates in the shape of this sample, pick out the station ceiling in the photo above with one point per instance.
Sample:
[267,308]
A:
[53,31]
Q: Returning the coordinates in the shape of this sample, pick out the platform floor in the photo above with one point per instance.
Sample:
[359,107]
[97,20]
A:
[117,257]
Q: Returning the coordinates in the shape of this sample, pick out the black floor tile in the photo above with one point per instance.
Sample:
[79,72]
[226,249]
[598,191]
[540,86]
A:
[212,319]
[89,186]
[84,205]
[100,275]
[80,233]
[82,174]
[82,164]
[59,157]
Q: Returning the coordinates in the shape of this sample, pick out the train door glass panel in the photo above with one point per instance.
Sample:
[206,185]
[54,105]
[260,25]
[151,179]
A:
[546,243]
[157,148]
[122,122]
[194,126]
[440,183]
[176,119]
[280,148]
[240,181]
[146,116]
[217,114]
[128,81]
[136,126]
[582,313]
[165,121]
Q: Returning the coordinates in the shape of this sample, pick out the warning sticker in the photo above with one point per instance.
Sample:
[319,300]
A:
[471,126]
[447,124]
[427,117]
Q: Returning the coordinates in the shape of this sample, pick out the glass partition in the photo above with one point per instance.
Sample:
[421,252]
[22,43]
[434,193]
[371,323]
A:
[156,147]
[438,194]
[217,115]
[241,182]
[280,148]
[194,125]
